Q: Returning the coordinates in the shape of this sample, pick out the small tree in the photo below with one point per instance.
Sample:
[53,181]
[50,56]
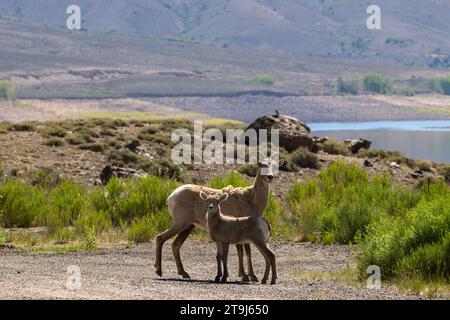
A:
[445,85]
[7,90]
[347,86]
[377,83]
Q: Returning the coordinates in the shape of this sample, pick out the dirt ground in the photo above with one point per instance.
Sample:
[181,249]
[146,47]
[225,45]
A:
[119,273]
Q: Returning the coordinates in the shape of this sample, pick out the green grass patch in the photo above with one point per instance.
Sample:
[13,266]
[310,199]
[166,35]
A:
[261,79]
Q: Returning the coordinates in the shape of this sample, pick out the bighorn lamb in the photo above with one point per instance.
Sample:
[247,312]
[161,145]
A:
[189,211]
[224,230]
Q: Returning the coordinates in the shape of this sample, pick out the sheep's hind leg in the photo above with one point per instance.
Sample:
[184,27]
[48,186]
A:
[248,253]
[176,245]
[226,247]
[160,240]
[240,252]
[219,256]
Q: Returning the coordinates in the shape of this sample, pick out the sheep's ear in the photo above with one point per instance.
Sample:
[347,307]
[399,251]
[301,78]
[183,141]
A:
[203,196]
[223,197]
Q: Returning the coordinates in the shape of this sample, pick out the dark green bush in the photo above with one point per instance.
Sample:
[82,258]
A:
[377,83]
[305,159]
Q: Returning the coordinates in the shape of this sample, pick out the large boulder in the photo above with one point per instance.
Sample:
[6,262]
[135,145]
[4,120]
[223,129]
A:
[293,133]
[113,171]
[354,145]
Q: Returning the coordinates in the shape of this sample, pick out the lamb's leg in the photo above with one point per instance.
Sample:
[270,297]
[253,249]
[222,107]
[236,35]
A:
[176,245]
[226,247]
[160,239]
[261,245]
[219,256]
[248,253]
[240,252]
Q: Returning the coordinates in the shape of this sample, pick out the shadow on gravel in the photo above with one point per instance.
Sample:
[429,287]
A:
[201,281]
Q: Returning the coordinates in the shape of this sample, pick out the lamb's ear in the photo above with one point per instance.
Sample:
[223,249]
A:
[203,196]
[223,197]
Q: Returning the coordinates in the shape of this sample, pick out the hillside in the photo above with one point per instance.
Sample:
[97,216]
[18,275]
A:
[50,62]
[413,32]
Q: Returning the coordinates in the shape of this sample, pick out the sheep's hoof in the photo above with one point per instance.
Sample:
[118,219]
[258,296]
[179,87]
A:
[253,278]
[223,280]
[185,275]
[217,279]
[159,272]
[264,281]
[273,281]
[245,278]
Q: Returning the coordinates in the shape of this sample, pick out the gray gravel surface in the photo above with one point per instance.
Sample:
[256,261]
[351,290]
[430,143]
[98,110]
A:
[119,273]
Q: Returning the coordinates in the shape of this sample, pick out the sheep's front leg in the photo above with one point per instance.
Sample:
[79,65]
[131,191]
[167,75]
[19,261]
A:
[248,253]
[240,252]
[219,260]
[226,247]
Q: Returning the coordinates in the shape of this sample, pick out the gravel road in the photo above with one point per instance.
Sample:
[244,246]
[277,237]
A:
[119,273]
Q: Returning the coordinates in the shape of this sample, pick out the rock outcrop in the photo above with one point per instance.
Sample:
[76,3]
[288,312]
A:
[113,171]
[294,134]
[354,145]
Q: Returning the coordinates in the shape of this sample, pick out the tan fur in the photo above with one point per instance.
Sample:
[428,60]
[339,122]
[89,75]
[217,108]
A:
[188,210]
[226,230]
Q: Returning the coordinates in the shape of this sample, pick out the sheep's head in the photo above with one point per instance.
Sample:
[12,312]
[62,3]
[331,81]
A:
[213,201]
[269,167]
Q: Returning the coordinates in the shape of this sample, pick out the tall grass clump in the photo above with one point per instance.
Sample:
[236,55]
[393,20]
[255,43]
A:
[20,204]
[377,83]
[412,244]
[125,200]
[261,78]
[338,206]
[7,90]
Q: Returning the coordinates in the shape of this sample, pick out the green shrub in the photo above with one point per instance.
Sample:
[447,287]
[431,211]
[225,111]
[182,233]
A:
[143,229]
[125,200]
[7,90]
[445,84]
[54,142]
[250,170]
[22,127]
[377,83]
[45,178]
[232,179]
[409,92]
[391,239]
[434,84]
[335,147]
[340,204]
[305,159]
[53,131]
[20,204]
[425,165]
[445,172]
[90,240]
[75,140]
[347,86]
[94,147]
[263,79]
[66,201]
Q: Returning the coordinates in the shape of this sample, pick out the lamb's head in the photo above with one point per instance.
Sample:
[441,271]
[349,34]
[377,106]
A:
[269,166]
[213,201]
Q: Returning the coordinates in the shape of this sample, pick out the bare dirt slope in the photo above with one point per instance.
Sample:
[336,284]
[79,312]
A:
[128,274]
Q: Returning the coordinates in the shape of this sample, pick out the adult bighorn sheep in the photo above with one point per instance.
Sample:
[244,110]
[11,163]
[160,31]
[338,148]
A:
[189,211]
[224,230]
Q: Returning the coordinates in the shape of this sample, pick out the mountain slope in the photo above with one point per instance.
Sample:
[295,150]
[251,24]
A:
[413,31]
